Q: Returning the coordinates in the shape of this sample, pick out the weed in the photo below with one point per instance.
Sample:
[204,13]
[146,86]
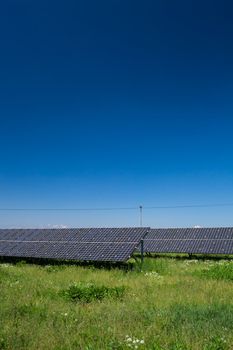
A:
[87,293]
[21,263]
[217,343]
[196,315]
[158,265]
[219,271]
[182,312]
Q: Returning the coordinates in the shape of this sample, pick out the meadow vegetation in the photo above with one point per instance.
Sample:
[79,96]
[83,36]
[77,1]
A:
[172,304]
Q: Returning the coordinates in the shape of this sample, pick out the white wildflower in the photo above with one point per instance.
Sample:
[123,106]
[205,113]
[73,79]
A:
[133,342]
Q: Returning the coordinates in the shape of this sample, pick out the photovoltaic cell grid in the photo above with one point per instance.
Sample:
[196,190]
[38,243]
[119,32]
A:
[92,244]
[190,240]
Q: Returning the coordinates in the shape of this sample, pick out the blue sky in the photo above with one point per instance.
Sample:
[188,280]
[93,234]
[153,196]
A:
[116,104]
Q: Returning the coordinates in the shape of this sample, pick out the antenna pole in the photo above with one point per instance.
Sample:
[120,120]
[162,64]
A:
[140,209]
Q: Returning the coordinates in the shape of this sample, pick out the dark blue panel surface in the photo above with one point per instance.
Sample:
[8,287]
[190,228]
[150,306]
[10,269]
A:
[191,240]
[92,244]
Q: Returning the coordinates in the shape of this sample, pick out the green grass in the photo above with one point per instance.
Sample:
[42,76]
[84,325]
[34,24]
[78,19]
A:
[87,293]
[223,270]
[171,305]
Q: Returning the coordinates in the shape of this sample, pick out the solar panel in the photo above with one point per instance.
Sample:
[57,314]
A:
[190,240]
[84,244]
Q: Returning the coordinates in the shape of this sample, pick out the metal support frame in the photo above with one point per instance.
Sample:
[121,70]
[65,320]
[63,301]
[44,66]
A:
[141,260]
[142,251]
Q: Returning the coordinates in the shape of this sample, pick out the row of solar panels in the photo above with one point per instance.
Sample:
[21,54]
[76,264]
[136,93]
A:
[112,244]
[68,251]
[75,234]
[83,244]
[190,240]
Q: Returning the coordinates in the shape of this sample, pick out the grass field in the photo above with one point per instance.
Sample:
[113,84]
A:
[173,304]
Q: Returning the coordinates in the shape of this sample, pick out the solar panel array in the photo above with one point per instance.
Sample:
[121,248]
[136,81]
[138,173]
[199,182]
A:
[91,244]
[190,240]
[112,244]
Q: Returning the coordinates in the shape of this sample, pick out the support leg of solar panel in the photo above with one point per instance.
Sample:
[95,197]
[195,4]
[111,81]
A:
[140,262]
[142,251]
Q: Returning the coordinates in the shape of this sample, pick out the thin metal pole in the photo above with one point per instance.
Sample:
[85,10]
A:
[142,252]
[140,208]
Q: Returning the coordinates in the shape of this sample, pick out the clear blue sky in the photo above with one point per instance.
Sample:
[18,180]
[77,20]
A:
[116,103]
